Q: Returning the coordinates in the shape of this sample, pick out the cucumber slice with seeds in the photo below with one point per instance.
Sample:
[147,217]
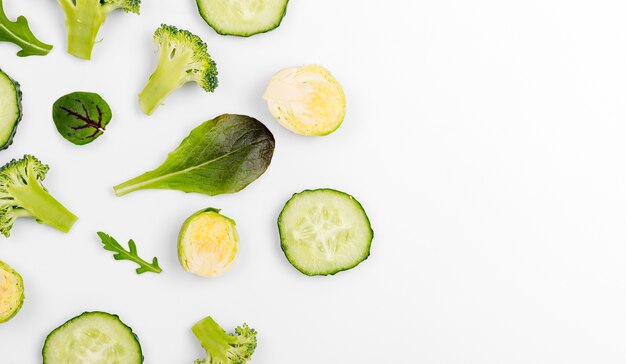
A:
[242,17]
[324,232]
[92,338]
[10,109]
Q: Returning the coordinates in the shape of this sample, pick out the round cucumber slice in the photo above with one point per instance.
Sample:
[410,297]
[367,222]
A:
[93,338]
[11,292]
[324,232]
[10,109]
[242,18]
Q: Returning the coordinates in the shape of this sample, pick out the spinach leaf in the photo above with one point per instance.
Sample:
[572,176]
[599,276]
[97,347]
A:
[222,155]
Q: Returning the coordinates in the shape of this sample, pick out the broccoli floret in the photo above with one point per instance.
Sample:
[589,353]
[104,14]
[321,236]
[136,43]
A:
[23,195]
[183,58]
[84,18]
[222,348]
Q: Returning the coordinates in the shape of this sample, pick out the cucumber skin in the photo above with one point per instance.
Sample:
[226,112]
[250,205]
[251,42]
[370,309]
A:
[43,351]
[245,35]
[329,273]
[18,93]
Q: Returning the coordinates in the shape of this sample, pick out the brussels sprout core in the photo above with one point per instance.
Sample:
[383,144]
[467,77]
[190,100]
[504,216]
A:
[11,292]
[208,243]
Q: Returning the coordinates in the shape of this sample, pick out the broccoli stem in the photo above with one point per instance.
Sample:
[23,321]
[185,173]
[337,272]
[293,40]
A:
[169,75]
[83,22]
[42,206]
[213,339]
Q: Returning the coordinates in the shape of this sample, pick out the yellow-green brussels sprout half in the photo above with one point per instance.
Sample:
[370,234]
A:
[208,243]
[307,100]
[11,292]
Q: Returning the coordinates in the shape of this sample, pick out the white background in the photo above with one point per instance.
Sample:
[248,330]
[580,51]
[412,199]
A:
[486,140]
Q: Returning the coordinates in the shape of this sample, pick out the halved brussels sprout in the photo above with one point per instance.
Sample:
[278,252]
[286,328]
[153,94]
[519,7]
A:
[208,243]
[11,292]
[307,100]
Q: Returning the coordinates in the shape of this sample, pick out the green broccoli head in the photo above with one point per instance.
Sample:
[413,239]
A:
[84,19]
[221,347]
[23,195]
[183,58]
[129,6]
[182,44]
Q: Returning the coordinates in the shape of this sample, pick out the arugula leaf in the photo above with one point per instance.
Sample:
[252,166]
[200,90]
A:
[19,33]
[111,244]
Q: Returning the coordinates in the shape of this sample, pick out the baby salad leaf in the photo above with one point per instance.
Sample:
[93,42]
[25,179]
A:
[19,33]
[222,155]
[111,244]
[81,117]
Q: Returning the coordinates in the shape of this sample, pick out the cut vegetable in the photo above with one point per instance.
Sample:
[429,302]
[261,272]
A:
[307,100]
[208,243]
[324,231]
[22,194]
[11,292]
[242,17]
[10,109]
[83,19]
[183,58]
[93,338]
[223,348]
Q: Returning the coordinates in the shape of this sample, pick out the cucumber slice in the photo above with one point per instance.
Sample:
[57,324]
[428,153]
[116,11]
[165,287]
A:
[10,109]
[242,18]
[324,232]
[92,338]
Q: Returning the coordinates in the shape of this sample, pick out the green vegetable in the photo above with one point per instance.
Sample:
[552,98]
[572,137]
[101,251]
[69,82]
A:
[23,195]
[11,292]
[92,338]
[83,19]
[307,100]
[19,33]
[81,117]
[183,58]
[222,348]
[112,245]
[10,109]
[208,243]
[244,17]
[222,155]
[324,232]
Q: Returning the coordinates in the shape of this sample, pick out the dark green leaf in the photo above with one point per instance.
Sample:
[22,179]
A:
[222,155]
[81,117]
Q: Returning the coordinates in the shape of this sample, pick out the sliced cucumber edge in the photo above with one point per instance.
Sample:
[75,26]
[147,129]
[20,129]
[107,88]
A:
[243,35]
[18,100]
[102,313]
[331,272]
